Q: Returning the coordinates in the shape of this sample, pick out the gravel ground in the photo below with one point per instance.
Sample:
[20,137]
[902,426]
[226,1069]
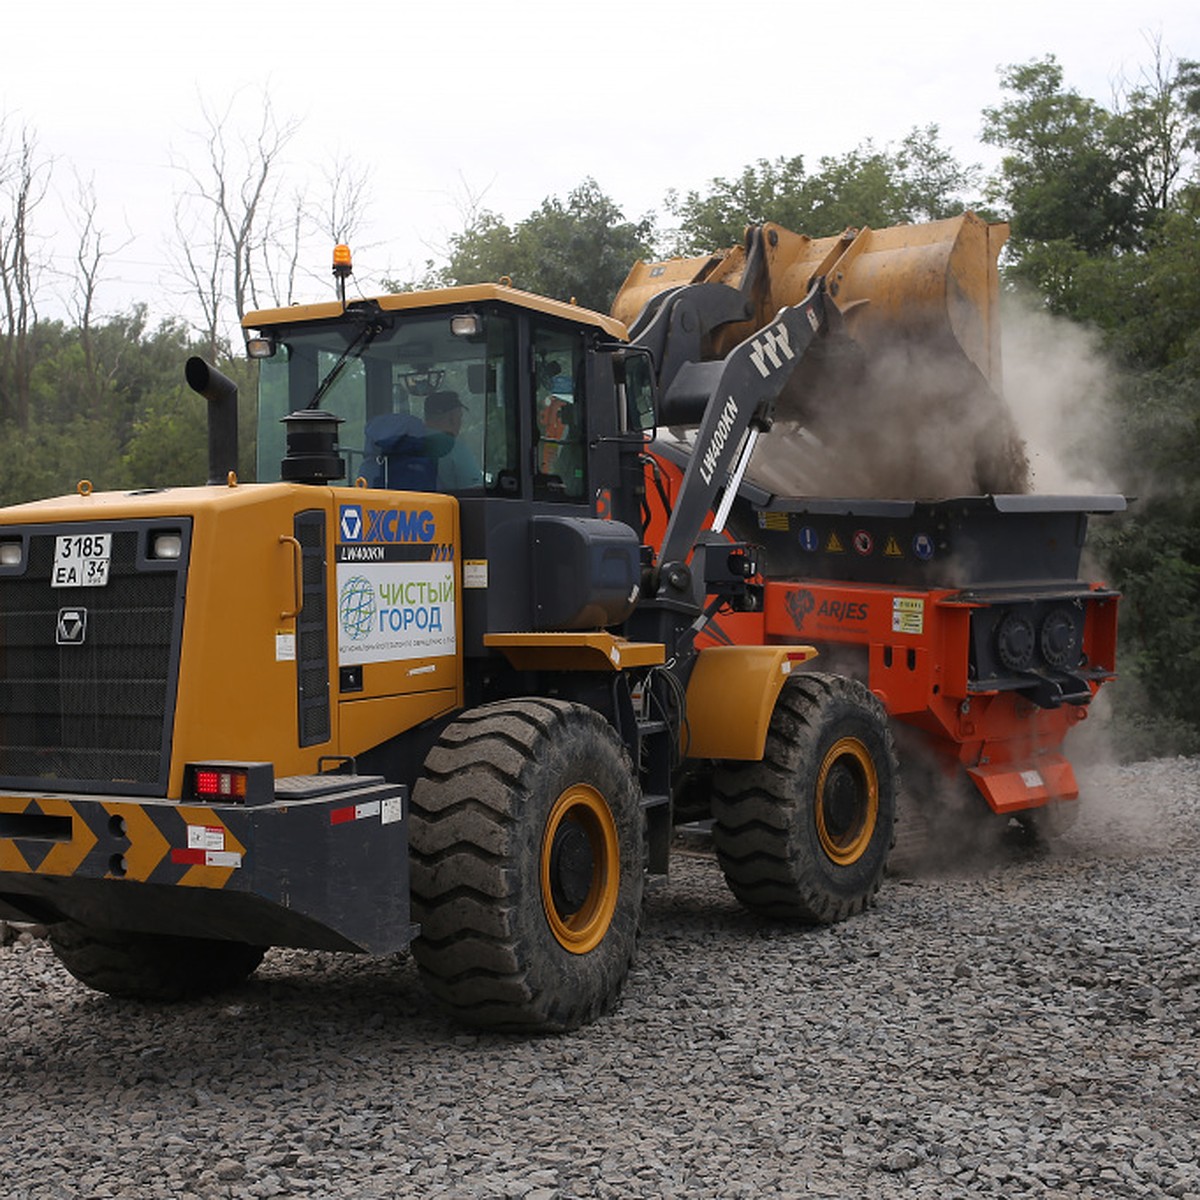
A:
[1023,1024]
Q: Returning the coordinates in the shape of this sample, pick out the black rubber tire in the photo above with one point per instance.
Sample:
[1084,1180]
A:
[496,946]
[804,834]
[147,966]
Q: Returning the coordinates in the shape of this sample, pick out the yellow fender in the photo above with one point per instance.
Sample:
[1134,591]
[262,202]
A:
[731,695]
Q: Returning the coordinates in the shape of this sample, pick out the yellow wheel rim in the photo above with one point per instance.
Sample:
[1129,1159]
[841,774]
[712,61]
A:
[847,801]
[580,868]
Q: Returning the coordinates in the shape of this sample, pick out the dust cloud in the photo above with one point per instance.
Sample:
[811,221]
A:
[906,421]
[1059,386]
[918,420]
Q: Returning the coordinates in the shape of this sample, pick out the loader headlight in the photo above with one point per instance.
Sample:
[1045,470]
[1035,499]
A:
[12,552]
[466,325]
[168,544]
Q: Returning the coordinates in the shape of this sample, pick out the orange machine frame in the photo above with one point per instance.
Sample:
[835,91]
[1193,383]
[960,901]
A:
[913,644]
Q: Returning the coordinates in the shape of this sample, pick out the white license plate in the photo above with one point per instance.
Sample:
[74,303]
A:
[81,560]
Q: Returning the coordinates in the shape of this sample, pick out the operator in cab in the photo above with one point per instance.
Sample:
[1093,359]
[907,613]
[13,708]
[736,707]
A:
[457,469]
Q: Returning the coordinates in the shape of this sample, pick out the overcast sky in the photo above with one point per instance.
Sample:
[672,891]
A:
[509,102]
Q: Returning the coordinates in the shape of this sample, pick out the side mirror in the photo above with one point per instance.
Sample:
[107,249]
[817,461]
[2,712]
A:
[633,372]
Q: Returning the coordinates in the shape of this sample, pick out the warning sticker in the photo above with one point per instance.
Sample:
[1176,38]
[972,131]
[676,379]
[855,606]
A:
[196,857]
[773,520]
[892,549]
[205,837]
[834,545]
[475,572]
[908,614]
[206,847]
[355,812]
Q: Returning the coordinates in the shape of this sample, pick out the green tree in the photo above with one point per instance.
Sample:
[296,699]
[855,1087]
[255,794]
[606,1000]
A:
[1105,210]
[145,428]
[1067,175]
[919,180]
[576,249]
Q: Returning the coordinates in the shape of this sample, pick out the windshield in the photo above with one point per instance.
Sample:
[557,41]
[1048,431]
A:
[422,407]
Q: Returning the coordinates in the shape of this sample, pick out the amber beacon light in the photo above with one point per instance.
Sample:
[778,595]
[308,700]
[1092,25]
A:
[343,268]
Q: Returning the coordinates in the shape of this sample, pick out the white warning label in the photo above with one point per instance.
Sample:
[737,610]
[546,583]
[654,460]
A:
[908,614]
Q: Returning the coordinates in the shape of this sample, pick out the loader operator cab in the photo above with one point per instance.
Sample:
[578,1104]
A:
[433,399]
[543,464]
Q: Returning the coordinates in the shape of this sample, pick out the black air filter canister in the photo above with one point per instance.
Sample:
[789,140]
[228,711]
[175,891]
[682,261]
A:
[312,448]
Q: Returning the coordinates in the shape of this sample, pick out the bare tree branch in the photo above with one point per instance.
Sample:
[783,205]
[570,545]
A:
[24,179]
[1157,123]
[280,255]
[90,253]
[347,196]
[227,217]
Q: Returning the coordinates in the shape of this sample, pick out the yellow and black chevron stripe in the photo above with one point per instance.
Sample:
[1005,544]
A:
[327,871]
[162,843]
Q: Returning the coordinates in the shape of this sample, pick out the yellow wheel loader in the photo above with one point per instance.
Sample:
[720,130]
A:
[446,678]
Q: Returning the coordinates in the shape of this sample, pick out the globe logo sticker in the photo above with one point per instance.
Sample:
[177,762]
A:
[356,608]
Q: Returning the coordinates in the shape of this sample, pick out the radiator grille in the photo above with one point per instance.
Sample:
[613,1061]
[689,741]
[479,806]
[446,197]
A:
[94,713]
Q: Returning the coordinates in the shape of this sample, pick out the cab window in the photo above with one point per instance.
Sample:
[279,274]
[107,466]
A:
[424,405]
[559,425]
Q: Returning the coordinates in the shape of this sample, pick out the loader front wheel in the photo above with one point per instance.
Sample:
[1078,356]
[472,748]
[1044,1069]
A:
[804,834]
[526,841]
[151,966]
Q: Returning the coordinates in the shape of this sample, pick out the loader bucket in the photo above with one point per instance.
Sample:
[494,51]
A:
[902,397]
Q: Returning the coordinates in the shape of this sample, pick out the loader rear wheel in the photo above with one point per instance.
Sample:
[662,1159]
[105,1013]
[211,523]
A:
[526,839]
[804,834]
[150,966]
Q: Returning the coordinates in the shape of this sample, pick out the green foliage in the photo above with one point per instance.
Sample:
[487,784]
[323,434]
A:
[1154,557]
[111,406]
[920,180]
[1105,209]
[49,459]
[579,249]
[1147,302]
[1066,176]
[170,442]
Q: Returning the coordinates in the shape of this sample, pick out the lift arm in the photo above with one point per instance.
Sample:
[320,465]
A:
[732,401]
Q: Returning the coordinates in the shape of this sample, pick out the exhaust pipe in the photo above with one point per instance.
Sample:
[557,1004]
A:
[222,395]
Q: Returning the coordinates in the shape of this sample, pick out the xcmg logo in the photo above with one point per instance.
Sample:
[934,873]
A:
[358,524]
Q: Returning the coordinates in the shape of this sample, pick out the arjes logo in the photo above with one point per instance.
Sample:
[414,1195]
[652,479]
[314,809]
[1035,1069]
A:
[799,604]
[358,524]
